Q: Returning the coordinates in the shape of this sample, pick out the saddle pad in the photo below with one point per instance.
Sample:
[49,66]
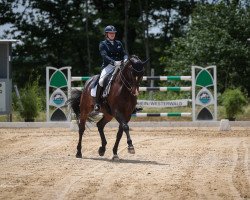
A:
[106,86]
[93,91]
[93,85]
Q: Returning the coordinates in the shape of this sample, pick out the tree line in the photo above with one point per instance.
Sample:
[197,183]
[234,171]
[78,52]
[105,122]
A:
[174,34]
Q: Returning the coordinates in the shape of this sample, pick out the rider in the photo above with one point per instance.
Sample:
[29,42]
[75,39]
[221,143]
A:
[112,53]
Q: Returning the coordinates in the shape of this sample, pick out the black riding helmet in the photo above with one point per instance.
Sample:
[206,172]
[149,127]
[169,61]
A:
[110,28]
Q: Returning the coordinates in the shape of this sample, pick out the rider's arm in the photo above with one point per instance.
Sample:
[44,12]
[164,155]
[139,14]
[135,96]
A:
[104,54]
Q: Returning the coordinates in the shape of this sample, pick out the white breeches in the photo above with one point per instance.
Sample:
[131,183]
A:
[107,70]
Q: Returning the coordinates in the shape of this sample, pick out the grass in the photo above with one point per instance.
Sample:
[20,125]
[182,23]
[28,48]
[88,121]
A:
[16,117]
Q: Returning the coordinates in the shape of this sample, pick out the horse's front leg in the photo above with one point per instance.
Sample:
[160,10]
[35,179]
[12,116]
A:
[101,124]
[81,131]
[124,124]
[118,138]
[131,148]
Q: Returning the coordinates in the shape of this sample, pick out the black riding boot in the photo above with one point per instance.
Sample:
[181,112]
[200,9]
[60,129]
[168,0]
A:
[98,97]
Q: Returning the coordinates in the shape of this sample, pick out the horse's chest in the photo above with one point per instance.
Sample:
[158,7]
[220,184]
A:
[121,96]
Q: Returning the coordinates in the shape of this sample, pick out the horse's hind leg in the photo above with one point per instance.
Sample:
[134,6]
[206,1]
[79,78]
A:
[101,124]
[118,138]
[81,131]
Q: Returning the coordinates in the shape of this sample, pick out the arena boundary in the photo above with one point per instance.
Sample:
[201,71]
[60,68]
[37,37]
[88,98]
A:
[146,124]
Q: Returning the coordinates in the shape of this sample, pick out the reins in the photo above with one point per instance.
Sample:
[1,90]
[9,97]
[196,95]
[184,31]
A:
[125,81]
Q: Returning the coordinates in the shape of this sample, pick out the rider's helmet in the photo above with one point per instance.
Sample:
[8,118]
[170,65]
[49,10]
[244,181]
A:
[109,29]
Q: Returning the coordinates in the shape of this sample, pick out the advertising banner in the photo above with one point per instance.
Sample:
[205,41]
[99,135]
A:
[172,103]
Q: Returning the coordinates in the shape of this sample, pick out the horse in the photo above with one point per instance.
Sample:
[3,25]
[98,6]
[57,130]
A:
[119,104]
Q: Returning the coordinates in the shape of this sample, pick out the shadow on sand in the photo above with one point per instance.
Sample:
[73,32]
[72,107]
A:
[144,162]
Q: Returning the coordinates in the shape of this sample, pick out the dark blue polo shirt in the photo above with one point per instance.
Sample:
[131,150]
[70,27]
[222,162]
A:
[111,52]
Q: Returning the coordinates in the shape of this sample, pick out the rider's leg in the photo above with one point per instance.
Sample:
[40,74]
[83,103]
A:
[104,73]
[97,98]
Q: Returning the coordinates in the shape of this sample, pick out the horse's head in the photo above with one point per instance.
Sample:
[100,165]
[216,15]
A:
[132,74]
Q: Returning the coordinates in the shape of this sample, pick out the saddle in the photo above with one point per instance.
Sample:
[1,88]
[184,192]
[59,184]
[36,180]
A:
[106,83]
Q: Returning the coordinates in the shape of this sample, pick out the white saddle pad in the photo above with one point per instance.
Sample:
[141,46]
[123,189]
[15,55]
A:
[93,91]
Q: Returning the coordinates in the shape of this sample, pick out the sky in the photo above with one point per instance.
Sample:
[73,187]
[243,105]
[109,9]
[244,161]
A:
[3,28]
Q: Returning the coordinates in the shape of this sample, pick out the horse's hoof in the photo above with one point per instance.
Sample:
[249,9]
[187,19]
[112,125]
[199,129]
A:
[131,150]
[101,151]
[115,158]
[79,155]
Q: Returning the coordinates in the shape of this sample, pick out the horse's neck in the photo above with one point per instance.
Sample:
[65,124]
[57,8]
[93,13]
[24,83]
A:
[122,78]
[124,83]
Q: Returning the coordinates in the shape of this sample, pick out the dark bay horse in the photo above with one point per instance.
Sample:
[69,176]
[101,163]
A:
[120,103]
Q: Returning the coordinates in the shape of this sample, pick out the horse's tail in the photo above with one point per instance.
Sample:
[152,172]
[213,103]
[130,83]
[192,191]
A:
[74,102]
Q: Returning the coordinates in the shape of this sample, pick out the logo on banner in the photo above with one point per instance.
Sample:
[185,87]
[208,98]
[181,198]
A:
[204,97]
[58,98]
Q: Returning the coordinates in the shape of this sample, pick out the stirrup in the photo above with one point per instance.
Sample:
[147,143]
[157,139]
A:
[97,107]
[138,109]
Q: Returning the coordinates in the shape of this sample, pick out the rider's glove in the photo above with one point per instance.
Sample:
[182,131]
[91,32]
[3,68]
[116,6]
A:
[125,60]
[117,63]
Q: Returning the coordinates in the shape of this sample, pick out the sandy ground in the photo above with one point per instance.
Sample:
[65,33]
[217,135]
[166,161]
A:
[170,163]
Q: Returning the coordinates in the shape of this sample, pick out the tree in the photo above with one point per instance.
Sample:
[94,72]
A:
[6,15]
[171,18]
[217,36]
[145,21]
[65,32]
[54,33]
[126,13]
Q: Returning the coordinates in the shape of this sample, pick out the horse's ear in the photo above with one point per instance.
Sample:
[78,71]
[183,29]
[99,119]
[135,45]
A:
[146,61]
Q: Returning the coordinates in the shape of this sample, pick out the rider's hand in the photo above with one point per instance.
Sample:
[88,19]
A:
[117,63]
[125,60]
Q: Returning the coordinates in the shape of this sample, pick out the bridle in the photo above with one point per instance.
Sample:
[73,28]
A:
[124,80]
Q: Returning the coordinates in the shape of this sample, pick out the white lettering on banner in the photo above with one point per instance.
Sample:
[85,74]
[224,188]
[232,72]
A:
[2,97]
[173,103]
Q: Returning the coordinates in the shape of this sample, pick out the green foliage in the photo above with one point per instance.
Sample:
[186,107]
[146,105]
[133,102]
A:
[67,33]
[233,101]
[31,101]
[217,36]
[6,15]
[55,33]
[163,96]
